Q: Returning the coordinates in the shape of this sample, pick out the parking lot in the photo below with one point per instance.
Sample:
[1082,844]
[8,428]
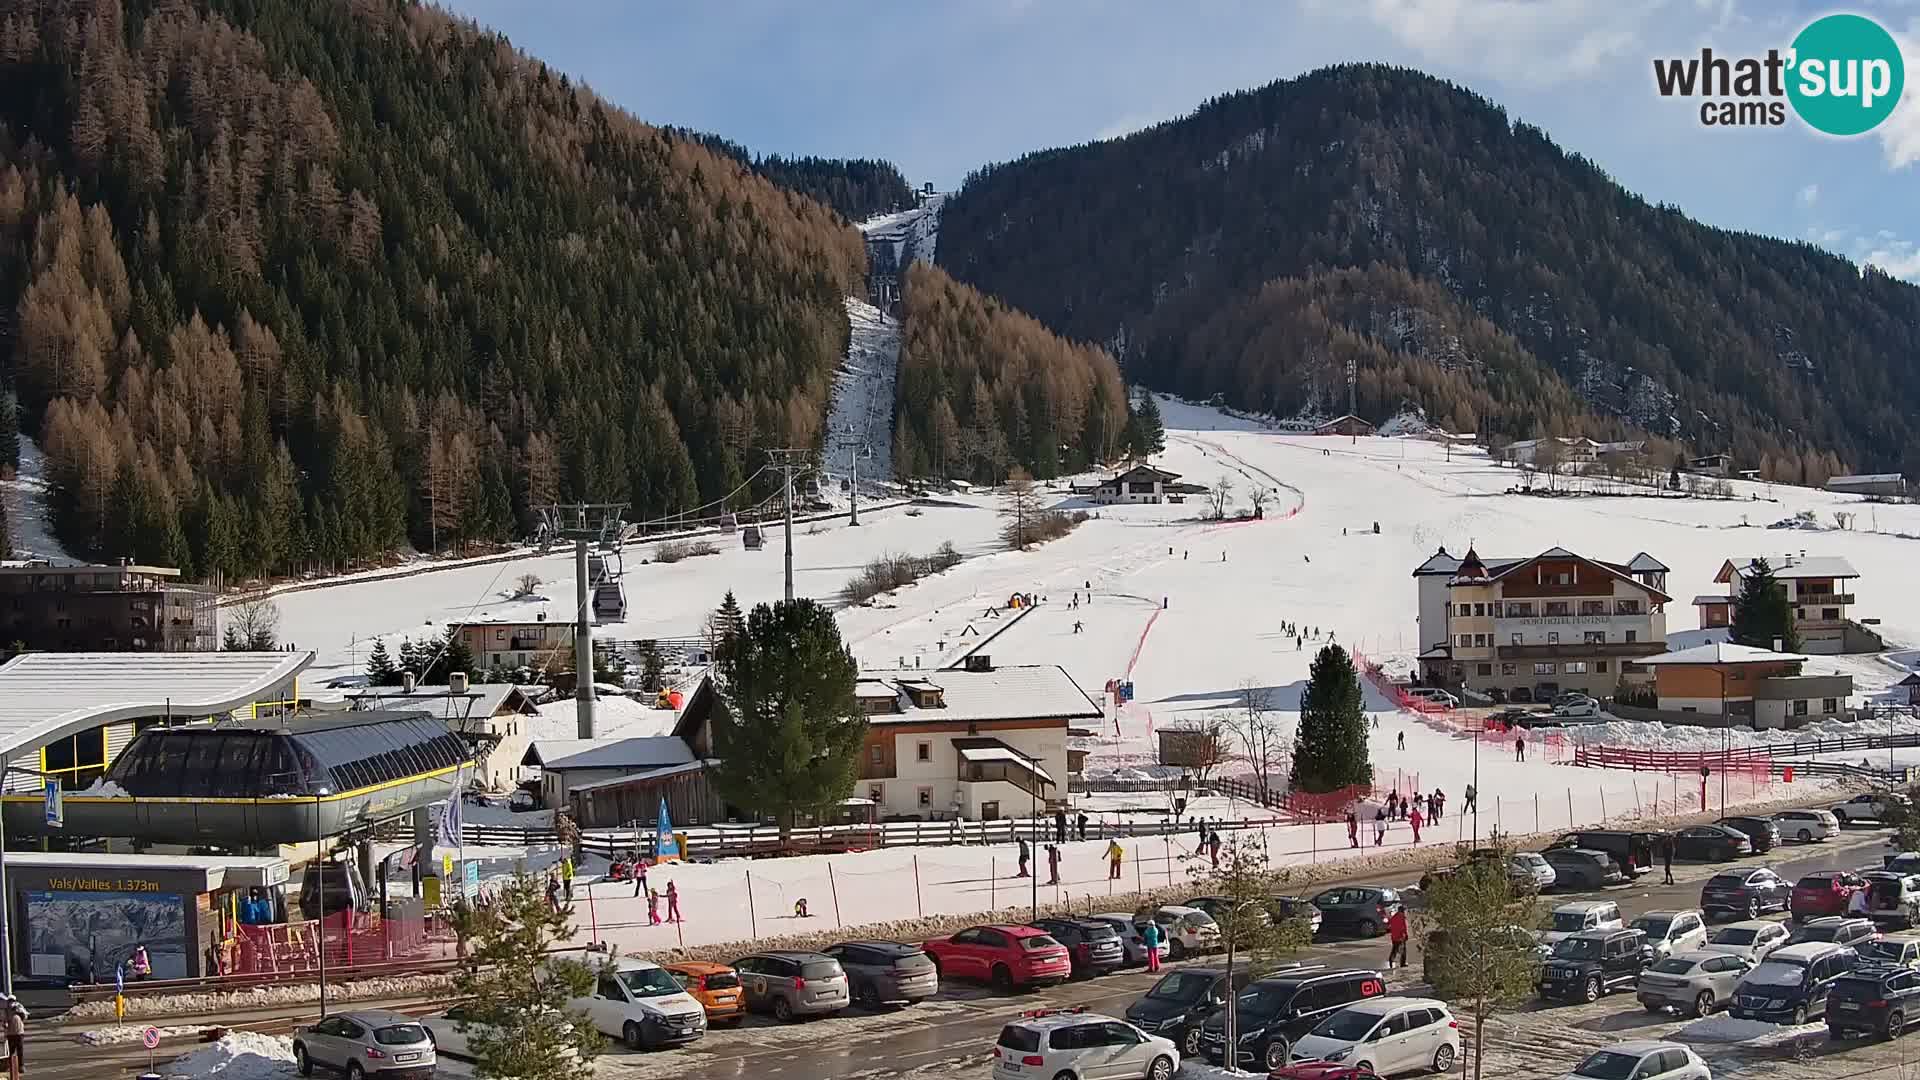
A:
[954,1034]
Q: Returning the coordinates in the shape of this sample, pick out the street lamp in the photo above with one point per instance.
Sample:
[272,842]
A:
[1725,722]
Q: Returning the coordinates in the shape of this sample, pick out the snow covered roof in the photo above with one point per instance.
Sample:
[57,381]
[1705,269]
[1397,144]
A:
[1025,692]
[1441,564]
[480,701]
[874,688]
[638,752]
[985,750]
[1801,566]
[1711,598]
[1720,652]
[1618,570]
[660,773]
[46,696]
[1865,478]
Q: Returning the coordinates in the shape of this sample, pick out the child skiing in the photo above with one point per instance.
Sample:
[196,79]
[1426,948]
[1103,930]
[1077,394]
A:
[1379,827]
[653,908]
[673,902]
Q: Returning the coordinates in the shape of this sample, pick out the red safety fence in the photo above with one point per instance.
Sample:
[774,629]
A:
[1551,746]
[352,940]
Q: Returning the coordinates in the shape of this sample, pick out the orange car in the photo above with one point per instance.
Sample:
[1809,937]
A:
[715,986]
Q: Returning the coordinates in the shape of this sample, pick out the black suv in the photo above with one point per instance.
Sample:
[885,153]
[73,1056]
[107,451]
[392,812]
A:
[1180,1001]
[1635,852]
[1595,962]
[1792,984]
[1094,947]
[1745,893]
[1764,832]
[1279,1009]
[1873,998]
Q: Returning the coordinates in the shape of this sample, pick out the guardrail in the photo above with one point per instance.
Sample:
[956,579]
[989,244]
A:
[1767,753]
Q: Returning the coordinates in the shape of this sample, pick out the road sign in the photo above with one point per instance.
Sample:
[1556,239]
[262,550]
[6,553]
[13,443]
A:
[150,1038]
[56,813]
[472,879]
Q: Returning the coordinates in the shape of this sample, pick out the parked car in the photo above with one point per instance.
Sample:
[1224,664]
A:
[639,1003]
[1670,932]
[1872,806]
[1594,962]
[1435,695]
[1791,984]
[1874,998]
[1764,833]
[387,1045]
[1217,906]
[1807,825]
[1181,1001]
[1361,910]
[1902,949]
[1276,1011]
[1907,862]
[1634,851]
[882,973]
[1578,707]
[1711,843]
[1753,939]
[1006,956]
[1283,908]
[453,1030]
[1387,1035]
[1092,946]
[1824,892]
[1058,1042]
[1131,942]
[1695,981]
[1582,868]
[1891,897]
[1642,1061]
[1579,915]
[1433,950]
[716,987]
[1745,892]
[793,984]
[1836,930]
[1186,929]
[1536,866]
[522,801]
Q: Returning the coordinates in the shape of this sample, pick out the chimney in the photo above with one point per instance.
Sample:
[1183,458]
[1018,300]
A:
[540,617]
[1779,645]
[406,682]
[979,662]
[457,682]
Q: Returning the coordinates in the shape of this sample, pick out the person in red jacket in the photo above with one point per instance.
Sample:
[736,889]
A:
[1397,935]
[1414,819]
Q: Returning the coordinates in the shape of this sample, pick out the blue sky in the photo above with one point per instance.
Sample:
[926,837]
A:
[941,88]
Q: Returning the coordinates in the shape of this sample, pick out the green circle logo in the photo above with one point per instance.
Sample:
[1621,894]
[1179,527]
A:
[1847,74]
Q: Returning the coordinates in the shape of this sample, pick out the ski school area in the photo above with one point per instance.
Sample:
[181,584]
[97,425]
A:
[1162,618]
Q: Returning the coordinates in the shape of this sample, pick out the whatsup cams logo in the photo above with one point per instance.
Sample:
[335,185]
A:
[1842,75]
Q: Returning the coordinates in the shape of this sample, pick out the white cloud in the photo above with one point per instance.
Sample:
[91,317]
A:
[1894,254]
[1899,134]
[1536,42]
[1809,194]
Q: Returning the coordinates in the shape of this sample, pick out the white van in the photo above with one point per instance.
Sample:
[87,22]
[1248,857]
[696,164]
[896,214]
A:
[642,1005]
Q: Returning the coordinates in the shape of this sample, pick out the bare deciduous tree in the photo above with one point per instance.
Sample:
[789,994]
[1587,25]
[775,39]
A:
[1220,498]
[253,625]
[524,585]
[1260,497]
[1199,746]
[1020,509]
[1262,736]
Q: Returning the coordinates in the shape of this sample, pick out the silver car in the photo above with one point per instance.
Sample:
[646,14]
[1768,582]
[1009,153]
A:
[1130,937]
[793,984]
[387,1045]
[1535,864]
[1696,982]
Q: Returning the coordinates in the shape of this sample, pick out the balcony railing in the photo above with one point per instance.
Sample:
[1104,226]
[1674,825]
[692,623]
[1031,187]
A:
[1579,649]
[1816,599]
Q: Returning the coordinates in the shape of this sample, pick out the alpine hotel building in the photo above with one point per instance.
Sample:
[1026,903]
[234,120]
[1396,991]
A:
[1528,629]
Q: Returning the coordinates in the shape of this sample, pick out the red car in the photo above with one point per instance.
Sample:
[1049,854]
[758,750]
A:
[1824,893]
[1006,956]
[1321,1070]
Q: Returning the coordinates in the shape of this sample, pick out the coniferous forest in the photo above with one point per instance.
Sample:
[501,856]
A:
[1474,268]
[286,284]
[983,388]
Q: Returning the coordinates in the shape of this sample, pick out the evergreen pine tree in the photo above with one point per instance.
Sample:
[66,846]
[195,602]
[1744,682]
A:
[1330,751]
[652,668]
[1762,613]
[1150,433]
[9,433]
[381,670]
[725,624]
[441,659]
[786,728]
[411,662]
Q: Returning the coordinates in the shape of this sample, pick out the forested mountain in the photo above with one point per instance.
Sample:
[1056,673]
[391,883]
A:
[289,283]
[858,188]
[1470,265]
[983,387]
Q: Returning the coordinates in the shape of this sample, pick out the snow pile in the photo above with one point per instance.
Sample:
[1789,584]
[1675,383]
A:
[1195,1069]
[105,788]
[239,1055]
[1652,736]
[131,1033]
[1724,1028]
[1412,421]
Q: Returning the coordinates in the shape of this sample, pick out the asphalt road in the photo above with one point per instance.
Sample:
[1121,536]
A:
[956,1031]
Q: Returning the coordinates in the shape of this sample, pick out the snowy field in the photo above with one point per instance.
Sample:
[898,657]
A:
[1190,611]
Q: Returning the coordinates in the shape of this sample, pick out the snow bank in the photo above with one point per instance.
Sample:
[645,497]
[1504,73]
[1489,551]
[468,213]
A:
[239,1055]
[1724,1028]
[261,998]
[1199,1070]
[130,1033]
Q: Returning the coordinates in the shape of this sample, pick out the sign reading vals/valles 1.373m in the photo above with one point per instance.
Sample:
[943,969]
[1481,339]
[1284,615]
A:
[102,884]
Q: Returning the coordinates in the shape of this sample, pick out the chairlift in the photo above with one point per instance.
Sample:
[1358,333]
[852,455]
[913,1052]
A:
[729,522]
[751,539]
